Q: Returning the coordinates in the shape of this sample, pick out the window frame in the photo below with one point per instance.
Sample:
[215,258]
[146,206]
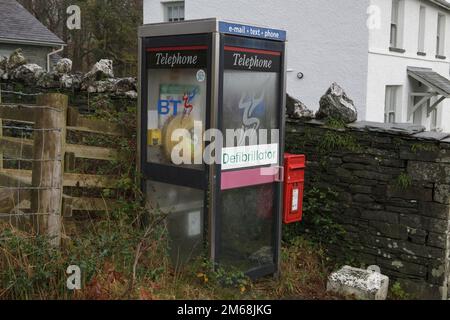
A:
[392,103]
[422,29]
[395,24]
[440,34]
[168,11]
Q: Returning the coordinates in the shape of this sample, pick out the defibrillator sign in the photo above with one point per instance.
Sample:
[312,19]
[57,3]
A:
[249,156]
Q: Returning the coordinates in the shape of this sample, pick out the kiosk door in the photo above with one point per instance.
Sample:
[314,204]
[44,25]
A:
[175,99]
[250,117]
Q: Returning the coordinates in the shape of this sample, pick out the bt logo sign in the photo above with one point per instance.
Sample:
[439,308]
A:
[166,106]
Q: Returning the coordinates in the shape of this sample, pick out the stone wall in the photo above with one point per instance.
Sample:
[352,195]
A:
[16,72]
[393,186]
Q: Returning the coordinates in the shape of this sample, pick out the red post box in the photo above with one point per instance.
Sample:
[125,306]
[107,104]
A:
[294,173]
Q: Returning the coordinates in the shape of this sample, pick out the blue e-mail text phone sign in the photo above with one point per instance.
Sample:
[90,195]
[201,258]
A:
[252,31]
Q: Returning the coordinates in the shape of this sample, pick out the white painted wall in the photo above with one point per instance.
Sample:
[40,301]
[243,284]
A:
[154,10]
[328,39]
[388,68]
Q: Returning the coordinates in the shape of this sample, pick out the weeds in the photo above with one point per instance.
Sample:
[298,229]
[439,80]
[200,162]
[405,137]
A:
[335,123]
[397,292]
[404,181]
[338,141]
[424,147]
[319,223]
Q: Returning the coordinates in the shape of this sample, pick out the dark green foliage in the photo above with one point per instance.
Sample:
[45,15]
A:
[318,223]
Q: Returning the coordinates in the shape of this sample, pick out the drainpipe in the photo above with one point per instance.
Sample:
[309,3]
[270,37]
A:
[51,54]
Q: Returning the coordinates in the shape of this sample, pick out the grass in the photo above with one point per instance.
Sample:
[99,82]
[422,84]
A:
[303,276]
[119,261]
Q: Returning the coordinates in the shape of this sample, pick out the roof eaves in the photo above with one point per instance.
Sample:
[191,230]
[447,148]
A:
[419,75]
[442,3]
[32,42]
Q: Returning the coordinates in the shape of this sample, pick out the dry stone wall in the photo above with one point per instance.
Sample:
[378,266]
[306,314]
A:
[393,186]
[16,71]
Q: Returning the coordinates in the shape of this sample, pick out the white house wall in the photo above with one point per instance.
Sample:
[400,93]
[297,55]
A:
[389,68]
[328,39]
[153,11]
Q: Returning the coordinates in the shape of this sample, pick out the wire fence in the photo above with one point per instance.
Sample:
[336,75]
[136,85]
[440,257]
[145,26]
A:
[33,149]
[13,189]
[22,93]
[4,91]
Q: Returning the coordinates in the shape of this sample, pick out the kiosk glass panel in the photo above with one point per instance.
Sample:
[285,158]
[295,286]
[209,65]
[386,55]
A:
[247,234]
[177,95]
[184,208]
[250,103]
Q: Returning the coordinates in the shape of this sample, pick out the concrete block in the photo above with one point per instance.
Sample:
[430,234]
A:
[362,284]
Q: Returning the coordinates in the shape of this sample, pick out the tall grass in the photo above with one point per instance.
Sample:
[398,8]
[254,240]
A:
[106,251]
[120,261]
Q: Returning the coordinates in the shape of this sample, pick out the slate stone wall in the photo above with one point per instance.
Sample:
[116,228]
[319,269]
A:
[393,184]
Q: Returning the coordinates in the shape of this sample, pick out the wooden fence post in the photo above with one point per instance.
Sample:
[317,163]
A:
[48,164]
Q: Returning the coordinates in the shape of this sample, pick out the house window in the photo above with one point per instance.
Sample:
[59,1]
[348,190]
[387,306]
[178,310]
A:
[422,22]
[392,104]
[174,11]
[440,39]
[395,23]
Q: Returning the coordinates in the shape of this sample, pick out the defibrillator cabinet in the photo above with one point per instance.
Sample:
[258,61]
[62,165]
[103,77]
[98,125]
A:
[211,132]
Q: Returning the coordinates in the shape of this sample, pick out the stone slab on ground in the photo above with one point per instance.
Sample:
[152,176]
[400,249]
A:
[362,284]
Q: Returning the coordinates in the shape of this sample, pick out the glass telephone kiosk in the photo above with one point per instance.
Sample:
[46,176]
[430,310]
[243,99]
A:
[203,75]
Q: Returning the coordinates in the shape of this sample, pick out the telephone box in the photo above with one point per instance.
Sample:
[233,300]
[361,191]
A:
[211,111]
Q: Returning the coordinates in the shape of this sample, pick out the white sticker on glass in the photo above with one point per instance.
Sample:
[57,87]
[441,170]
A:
[152,120]
[201,75]
[194,224]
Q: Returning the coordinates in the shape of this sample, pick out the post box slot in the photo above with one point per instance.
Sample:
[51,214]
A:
[296,166]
